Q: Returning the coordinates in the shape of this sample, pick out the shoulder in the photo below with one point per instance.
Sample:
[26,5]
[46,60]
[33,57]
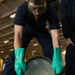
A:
[50,8]
[22,7]
[64,1]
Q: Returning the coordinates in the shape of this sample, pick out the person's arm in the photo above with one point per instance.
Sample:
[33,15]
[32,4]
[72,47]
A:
[64,19]
[65,23]
[57,65]
[18,36]
[54,27]
[55,38]
[19,24]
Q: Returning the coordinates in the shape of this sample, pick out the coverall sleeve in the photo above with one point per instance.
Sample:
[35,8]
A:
[64,19]
[53,19]
[20,17]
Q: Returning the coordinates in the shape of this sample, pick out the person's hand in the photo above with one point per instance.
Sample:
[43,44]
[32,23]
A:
[68,42]
[20,66]
[57,65]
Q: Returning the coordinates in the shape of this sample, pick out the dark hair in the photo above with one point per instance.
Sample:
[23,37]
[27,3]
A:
[37,1]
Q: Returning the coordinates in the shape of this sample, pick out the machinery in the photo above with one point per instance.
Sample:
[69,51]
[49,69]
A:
[39,66]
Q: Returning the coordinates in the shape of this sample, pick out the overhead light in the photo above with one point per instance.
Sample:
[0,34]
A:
[5,57]
[25,60]
[60,25]
[64,52]
[2,51]
[61,46]
[11,49]
[12,16]
[35,44]
[34,51]
[6,41]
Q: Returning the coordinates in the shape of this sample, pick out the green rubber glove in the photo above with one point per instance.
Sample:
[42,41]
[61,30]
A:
[57,64]
[20,66]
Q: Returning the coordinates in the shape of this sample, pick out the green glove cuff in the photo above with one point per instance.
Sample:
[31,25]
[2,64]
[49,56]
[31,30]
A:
[57,52]
[56,49]
[20,51]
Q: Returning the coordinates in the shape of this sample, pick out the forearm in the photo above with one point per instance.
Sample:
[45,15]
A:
[17,41]
[55,37]
[55,43]
[18,36]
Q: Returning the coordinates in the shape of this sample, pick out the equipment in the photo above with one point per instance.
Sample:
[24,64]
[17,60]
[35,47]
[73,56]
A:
[39,66]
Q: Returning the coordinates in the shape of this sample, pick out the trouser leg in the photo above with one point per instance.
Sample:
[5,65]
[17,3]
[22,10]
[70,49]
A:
[70,60]
[46,43]
[9,67]
[44,39]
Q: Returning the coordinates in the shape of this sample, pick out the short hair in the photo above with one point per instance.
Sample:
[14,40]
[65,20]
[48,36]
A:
[37,1]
